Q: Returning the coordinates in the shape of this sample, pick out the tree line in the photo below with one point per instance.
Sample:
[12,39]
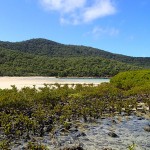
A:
[13,63]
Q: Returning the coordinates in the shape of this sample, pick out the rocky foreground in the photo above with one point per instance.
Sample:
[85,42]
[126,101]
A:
[113,133]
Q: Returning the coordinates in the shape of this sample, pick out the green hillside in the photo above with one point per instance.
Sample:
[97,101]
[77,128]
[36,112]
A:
[14,63]
[54,49]
[43,57]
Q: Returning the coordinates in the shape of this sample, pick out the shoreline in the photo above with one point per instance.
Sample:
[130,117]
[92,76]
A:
[40,81]
[67,77]
[84,77]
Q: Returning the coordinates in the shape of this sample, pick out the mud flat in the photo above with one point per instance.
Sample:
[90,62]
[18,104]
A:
[116,133]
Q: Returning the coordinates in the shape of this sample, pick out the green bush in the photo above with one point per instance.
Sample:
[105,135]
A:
[130,79]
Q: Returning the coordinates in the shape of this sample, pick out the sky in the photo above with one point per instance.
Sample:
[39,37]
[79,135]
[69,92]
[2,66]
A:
[117,26]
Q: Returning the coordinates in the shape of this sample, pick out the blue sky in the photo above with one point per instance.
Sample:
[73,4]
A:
[118,26]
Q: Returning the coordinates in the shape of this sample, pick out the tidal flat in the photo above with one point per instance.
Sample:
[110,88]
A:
[112,133]
[20,82]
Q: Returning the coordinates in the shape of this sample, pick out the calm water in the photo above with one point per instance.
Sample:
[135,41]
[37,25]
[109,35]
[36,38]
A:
[19,82]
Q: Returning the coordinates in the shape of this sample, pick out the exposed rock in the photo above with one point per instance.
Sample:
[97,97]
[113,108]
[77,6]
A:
[140,118]
[112,134]
[78,134]
[48,128]
[63,130]
[73,129]
[73,148]
[147,128]
[114,121]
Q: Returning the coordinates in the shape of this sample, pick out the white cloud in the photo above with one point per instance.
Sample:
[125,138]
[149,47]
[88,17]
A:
[100,9]
[63,6]
[80,11]
[101,32]
[72,20]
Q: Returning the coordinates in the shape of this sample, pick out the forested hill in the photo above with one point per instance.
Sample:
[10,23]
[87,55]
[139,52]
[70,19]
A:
[15,63]
[40,57]
[54,49]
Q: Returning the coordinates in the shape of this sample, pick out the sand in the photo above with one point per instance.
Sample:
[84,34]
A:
[20,82]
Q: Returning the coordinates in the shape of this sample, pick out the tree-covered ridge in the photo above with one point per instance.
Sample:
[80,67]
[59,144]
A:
[130,79]
[35,46]
[50,48]
[54,49]
[15,63]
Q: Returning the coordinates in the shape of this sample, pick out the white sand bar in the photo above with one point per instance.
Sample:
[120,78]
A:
[20,82]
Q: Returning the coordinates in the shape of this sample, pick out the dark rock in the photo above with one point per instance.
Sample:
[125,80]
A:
[103,118]
[83,134]
[114,121]
[112,134]
[50,120]
[73,148]
[48,128]
[80,134]
[10,136]
[148,145]
[85,126]
[81,145]
[73,129]
[28,136]
[141,118]
[41,132]
[147,128]
[74,137]
[29,113]
[63,130]
[85,139]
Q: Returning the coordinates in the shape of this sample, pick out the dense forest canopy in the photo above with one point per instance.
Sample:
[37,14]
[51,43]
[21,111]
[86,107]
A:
[49,58]
[14,63]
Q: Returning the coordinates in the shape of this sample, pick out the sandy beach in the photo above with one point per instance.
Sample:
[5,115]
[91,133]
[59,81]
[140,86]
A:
[20,82]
